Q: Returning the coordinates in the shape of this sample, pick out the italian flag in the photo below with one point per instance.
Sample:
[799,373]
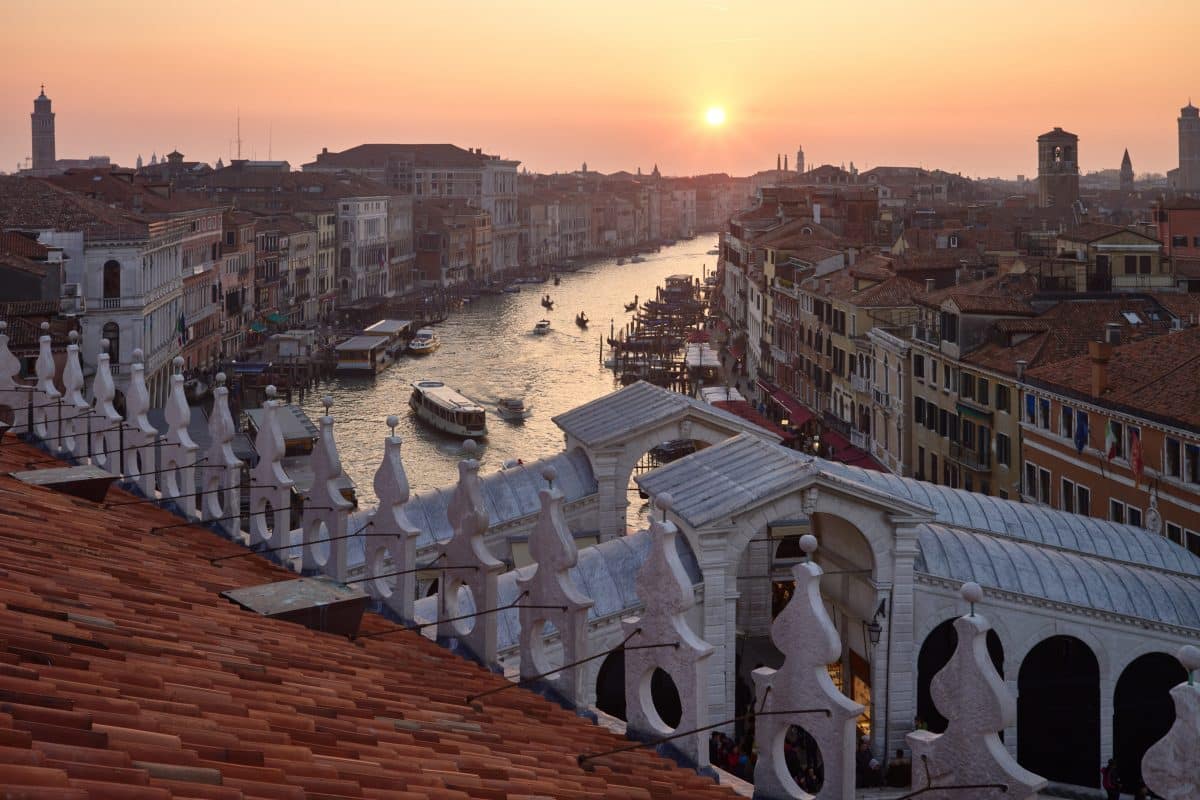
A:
[1110,441]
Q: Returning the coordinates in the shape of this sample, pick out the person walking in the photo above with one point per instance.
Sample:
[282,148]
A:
[1110,781]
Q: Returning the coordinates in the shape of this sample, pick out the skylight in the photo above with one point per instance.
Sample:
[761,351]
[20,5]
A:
[1131,317]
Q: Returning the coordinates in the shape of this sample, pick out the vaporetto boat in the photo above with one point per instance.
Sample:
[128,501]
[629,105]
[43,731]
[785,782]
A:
[445,409]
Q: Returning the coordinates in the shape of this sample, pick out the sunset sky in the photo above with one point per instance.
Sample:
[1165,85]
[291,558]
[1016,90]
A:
[616,83]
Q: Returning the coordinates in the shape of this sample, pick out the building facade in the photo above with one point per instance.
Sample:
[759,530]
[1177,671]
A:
[1058,169]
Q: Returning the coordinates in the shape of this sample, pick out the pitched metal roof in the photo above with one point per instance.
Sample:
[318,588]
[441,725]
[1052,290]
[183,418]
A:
[638,406]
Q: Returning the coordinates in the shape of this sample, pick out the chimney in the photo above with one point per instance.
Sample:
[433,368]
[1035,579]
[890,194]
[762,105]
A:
[1021,364]
[1100,353]
[817,213]
[1112,333]
[929,285]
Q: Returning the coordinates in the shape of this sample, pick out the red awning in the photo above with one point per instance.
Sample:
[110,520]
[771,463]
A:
[847,453]
[743,409]
[797,413]
[698,336]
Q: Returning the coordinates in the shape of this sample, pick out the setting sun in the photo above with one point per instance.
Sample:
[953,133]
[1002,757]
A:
[715,116]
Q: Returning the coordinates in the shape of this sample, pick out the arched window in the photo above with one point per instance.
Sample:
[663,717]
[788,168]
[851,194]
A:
[112,332]
[1058,712]
[112,278]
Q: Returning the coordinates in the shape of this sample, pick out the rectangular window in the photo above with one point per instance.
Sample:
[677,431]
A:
[967,386]
[1191,463]
[920,463]
[1003,450]
[1066,422]
[1116,511]
[933,475]
[1133,516]
[1044,486]
[1172,466]
[1118,440]
[1030,487]
[946,376]
[943,422]
[1174,533]
[919,367]
[1030,409]
[1044,413]
[983,392]
[1144,265]
[1002,400]
[1002,494]
[1193,541]
[931,417]
[1130,265]
[1179,241]
[1196,241]
[1083,500]
[933,365]
[1066,497]
[968,435]
[919,409]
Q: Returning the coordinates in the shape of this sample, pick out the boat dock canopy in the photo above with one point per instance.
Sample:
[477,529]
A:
[388,327]
[359,343]
[293,422]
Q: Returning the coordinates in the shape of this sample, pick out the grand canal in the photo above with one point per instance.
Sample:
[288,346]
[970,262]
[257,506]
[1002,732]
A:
[489,351]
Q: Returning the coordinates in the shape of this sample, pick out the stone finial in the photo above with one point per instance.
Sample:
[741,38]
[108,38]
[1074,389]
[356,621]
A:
[222,483]
[73,438]
[388,554]
[140,435]
[1169,767]
[392,421]
[550,475]
[10,365]
[177,365]
[471,564]
[327,401]
[666,592]
[553,548]
[809,641]
[137,356]
[178,451]
[325,509]
[970,693]
[270,487]
[44,368]
[105,345]
[106,440]
[972,592]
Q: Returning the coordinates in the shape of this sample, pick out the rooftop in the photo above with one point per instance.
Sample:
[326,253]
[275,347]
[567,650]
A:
[125,673]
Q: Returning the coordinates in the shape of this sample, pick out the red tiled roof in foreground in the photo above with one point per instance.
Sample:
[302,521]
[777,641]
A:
[124,674]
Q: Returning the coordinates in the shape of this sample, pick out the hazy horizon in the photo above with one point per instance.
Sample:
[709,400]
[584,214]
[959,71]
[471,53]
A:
[619,85]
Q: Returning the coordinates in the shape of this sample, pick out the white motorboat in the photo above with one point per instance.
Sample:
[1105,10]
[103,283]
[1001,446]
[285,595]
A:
[424,343]
[636,260]
[447,410]
[542,327]
[512,409]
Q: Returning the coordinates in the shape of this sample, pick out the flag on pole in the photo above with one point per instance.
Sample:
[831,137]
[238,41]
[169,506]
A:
[1081,431]
[1135,458]
[1110,441]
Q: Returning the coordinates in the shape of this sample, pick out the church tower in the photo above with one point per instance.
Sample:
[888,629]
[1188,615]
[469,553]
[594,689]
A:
[799,159]
[42,120]
[1058,169]
[1189,149]
[1126,173]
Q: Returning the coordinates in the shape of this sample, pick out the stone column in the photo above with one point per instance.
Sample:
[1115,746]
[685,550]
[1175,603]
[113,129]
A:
[611,499]
[720,620]
[893,673]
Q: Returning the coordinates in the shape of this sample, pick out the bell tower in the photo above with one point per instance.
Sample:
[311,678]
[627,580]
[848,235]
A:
[42,120]
[1058,169]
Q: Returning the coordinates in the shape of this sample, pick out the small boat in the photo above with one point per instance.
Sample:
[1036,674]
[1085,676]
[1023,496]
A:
[557,279]
[547,302]
[424,343]
[447,410]
[511,289]
[581,320]
[542,327]
[512,408]
[713,252]
[632,306]
[636,259]
[620,262]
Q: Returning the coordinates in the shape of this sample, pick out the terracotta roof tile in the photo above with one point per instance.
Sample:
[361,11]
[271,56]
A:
[123,673]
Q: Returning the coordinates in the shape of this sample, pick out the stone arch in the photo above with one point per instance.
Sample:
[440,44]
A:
[1143,710]
[936,649]
[1058,711]
[614,465]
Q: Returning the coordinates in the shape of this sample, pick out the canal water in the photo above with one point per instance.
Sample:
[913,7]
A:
[488,351]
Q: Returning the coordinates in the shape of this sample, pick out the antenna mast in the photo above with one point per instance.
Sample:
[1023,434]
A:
[239,133]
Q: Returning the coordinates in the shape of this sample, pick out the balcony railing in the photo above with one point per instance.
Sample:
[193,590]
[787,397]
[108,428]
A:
[859,383]
[110,302]
[858,439]
[969,457]
[882,399]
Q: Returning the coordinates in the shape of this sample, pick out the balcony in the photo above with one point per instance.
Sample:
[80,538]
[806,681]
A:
[969,458]
[860,384]
[859,440]
[882,399]
[110,302]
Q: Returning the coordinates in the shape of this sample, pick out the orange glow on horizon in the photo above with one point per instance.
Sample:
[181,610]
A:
[615,83]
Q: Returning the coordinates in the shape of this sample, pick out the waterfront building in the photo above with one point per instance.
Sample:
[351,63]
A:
[238,259]
[454,242]
[200,327]
[442,171]
[363,251]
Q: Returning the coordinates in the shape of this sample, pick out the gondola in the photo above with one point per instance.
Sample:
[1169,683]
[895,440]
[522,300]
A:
[547,302]
[632,306]
[557,279]
[581,320]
